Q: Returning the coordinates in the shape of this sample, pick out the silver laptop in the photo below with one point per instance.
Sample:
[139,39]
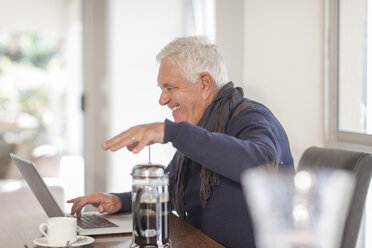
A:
[91,223]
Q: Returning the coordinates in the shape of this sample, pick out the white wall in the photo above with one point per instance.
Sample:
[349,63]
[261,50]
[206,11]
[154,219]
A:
[136,36]
[283,59]
[230,37]
[35,15]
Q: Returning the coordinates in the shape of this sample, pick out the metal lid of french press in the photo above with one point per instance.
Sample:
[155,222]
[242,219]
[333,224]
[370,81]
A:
[148,171]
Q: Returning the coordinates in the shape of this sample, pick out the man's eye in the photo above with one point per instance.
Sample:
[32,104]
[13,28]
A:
[167,87]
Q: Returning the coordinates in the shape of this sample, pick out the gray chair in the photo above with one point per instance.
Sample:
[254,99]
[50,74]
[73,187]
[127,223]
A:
[360,163]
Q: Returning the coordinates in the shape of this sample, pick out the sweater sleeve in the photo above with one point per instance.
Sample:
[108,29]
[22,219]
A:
[252,139]
[126,201]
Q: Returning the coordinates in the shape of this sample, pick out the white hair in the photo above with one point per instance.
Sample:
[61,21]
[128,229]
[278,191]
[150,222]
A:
[195,55]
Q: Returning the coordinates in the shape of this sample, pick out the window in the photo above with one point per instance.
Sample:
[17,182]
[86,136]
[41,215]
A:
[40,89]
[349,72]
[29,63]
[348,80]
[354,74]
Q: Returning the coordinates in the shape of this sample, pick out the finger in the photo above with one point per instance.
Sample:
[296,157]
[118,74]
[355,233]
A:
[101,209]
[132,146]
[75,212]
[115,141]
[79,205]
[71,200]
[120,144]
[73,207]
[140,145]
[78,214]
[132,142]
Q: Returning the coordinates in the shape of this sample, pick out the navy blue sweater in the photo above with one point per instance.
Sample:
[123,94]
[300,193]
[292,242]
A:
[254,137]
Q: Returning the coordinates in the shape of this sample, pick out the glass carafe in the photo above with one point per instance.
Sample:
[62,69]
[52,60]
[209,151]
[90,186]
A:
[150,206]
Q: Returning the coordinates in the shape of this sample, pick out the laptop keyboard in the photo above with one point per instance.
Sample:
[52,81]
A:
[94,221]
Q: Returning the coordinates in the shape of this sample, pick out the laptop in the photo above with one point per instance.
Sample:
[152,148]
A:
[102,223]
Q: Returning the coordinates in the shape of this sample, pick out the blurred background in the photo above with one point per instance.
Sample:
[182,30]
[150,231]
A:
[73,73]
[41,116]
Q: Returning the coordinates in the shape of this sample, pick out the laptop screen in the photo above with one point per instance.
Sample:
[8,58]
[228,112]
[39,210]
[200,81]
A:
[38,186]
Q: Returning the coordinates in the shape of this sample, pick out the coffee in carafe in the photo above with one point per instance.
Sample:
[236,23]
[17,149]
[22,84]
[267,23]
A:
[150,206]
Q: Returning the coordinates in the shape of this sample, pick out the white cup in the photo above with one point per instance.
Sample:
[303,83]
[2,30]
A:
[59,230]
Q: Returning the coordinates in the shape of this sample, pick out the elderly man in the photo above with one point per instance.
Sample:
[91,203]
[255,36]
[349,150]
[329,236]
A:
[217,133]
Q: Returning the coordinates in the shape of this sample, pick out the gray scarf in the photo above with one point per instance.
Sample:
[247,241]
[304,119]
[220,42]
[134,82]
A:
[214,119]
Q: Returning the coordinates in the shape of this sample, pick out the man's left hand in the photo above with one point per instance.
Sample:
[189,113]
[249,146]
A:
[137,137]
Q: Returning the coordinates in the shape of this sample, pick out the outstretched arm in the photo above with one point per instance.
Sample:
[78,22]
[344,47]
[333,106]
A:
[137,137]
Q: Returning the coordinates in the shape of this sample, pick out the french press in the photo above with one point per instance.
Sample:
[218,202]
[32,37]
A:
[150,206]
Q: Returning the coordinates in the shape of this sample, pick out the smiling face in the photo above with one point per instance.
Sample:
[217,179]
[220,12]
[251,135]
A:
[187,101]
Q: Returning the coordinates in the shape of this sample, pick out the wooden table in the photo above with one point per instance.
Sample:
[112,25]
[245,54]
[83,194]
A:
[21,230]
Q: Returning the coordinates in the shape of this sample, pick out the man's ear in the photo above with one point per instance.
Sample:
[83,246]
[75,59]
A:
[207,85]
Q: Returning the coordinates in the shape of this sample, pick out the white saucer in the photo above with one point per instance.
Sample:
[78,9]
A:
[44,242]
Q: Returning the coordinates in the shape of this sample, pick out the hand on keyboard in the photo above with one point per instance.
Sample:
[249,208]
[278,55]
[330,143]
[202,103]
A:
[109,203]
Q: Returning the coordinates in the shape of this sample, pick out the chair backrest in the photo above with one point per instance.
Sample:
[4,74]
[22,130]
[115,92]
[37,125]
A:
[360,163]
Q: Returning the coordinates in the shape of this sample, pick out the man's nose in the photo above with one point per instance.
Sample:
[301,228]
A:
[164,97]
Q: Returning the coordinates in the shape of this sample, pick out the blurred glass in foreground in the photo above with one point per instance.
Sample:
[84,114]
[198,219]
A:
[306,209]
